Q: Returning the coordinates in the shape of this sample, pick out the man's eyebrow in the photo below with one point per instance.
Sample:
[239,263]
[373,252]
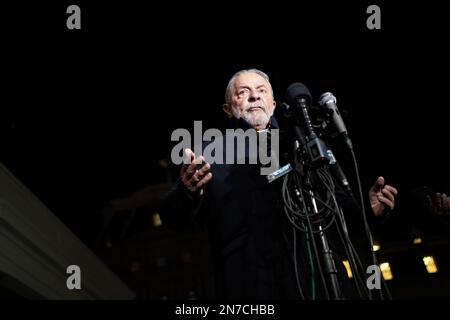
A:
[248,87]
[242,87]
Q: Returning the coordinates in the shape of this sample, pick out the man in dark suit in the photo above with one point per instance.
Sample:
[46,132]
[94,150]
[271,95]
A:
[242,211]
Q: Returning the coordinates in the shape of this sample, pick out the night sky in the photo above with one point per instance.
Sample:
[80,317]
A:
[87,114]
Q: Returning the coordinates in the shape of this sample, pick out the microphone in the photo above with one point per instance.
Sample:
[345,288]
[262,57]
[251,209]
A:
[338,174]
[328,101]
[298,95]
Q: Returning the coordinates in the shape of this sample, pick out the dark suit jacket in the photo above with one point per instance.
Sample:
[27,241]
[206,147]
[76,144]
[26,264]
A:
[252,247]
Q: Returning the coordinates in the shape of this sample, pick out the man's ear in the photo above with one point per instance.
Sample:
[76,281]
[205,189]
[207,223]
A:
[227,109]
[274,106]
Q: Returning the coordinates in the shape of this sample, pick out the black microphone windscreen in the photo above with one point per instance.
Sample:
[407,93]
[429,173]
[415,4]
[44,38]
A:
[297,90]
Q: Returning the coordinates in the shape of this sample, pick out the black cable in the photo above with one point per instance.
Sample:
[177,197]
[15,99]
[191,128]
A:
[289,203]
[286,207]
[359,282]
[355,263]
[316,252]
[299,286]
[327,181]
[366,225]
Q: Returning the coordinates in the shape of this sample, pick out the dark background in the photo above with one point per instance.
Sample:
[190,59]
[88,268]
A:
[87,114]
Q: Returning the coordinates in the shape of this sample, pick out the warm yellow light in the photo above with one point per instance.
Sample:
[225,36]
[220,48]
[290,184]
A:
[386,271]
[376,246]
[417,240]
[156,220]
[347,267]
[430,264]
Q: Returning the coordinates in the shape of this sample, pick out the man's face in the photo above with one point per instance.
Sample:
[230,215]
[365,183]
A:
[252,100]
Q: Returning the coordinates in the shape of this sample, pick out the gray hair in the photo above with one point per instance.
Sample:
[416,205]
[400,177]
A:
[228,91]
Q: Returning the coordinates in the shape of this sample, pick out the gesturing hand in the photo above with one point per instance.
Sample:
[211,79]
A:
[438,204]
[382,197]
[195,175]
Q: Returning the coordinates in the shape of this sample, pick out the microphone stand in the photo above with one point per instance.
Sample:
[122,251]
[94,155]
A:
[327,257]
[313,154]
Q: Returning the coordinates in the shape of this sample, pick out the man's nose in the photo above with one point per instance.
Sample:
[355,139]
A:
[254,95]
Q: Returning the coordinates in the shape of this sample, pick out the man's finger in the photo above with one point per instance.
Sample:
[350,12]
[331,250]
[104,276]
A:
[189,156]
[388,194]
[194,179]
[204,169]
[387,202]
[204,181]
[192,168]
[392,189]
[199,159]
[379,183]
[199,174]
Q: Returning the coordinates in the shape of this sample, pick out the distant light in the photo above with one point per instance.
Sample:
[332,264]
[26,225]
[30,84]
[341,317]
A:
[386,271]
[417,240]
[376,246]
[157,220]
[430,264]
[347,267]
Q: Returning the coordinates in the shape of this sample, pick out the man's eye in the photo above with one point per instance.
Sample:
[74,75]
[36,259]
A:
[262,90]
